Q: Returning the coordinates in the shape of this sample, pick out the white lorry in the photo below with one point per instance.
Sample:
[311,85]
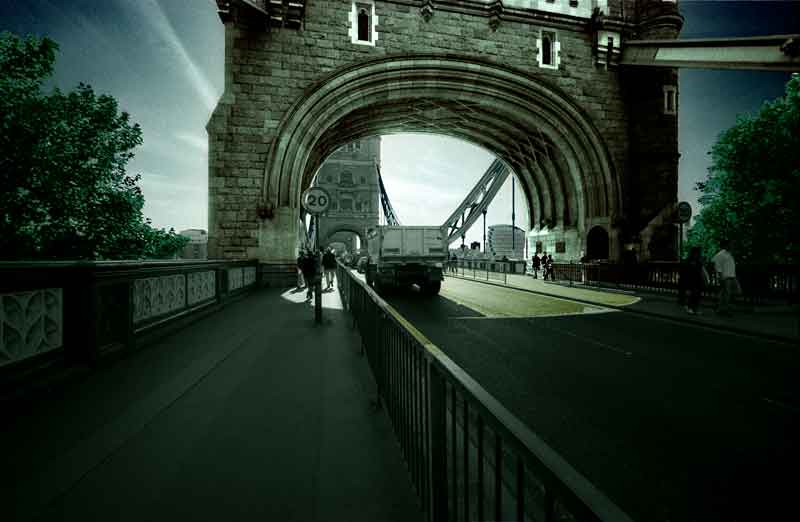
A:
[405,255]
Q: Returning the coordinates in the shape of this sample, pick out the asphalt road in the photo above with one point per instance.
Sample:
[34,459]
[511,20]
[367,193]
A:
[673,422]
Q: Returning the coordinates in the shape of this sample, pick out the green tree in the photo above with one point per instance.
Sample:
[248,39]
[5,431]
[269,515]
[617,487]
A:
[752,191]
[66,194]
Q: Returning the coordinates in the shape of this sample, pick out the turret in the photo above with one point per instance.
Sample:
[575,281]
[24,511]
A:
[652,98]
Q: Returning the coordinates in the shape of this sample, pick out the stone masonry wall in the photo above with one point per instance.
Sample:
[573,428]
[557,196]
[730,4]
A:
[266,72]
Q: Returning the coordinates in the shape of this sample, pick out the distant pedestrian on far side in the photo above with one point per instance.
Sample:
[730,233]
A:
[695,278]
[550,267]
[329,265]
[725,267]
[535,264]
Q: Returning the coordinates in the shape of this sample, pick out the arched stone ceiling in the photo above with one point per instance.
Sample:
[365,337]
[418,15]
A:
[549,142]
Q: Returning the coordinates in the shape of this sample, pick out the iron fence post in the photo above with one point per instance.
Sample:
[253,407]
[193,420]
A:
[437,444]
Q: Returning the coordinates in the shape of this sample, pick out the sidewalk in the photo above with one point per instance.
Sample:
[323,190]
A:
[254,413]
[778,323]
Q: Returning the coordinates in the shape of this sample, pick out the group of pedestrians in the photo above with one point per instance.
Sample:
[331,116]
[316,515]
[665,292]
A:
[308,266]
[694,278]
[545,264]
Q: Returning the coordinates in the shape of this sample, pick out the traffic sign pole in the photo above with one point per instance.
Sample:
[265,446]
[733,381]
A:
[318,279]
[316,200]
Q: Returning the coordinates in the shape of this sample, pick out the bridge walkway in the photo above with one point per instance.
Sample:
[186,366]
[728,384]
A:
[253,413]
[780,323]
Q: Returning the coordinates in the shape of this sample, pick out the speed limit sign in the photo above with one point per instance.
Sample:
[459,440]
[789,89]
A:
[316,200]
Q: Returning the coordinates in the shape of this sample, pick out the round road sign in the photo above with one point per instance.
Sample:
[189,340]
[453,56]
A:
[684,211]
[316,200]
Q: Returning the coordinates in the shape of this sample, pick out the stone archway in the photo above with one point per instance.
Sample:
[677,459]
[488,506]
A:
[553,146]
[361,234]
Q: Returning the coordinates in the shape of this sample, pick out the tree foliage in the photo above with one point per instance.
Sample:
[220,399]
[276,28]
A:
[66,194]
[752,191]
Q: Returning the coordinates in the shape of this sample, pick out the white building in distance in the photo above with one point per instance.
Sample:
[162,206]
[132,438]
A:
[197,247]
[500,240]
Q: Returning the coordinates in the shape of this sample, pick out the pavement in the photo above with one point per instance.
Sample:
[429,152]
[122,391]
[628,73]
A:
[253,413]
[780,323]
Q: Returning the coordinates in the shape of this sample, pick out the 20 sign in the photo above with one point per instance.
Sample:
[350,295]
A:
[316,200]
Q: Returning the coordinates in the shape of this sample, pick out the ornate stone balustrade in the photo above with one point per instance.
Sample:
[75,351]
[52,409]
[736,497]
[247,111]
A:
[31,323]
[80,311]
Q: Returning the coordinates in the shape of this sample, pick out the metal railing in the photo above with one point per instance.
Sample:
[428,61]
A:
[468,457]
[760,283]
[486,270]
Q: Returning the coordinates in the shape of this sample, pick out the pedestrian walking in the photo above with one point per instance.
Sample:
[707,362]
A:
[695,278]
[309,268]
[550,267]
[535,265]
[329,266]
[543,265]
[725,267]
[300,282]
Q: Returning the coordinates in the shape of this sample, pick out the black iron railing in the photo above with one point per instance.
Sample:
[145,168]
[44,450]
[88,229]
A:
[486,270]
[760,284]
[468,457]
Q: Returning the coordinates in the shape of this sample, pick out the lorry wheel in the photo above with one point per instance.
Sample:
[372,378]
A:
[431,288]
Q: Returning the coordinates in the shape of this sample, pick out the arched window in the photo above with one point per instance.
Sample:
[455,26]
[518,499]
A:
[363,25]
[597,243]
[547,49]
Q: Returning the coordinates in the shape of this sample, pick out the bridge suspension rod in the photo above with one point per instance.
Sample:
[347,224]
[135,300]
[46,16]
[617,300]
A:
[476,201]
[388,210]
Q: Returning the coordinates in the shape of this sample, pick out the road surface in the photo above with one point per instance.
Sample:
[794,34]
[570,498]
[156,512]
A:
[673,422]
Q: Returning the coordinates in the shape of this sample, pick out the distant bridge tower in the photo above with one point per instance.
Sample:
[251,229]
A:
[350,176]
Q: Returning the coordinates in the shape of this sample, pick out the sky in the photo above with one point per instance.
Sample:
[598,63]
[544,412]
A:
[163,60]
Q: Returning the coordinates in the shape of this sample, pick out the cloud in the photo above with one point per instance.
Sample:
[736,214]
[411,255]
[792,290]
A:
[193,140]
[151,10]
[174,201]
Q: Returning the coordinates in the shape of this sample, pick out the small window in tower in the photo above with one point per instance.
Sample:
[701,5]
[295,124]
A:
[670,99]
[357,145]
[363,25]
[347,204]
[549,49]
[346,178]
[363,22]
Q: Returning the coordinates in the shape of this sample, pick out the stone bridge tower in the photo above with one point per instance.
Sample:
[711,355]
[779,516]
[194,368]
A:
[536,82]
[350,177]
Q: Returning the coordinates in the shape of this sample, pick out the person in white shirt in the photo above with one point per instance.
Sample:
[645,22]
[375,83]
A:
[725,267]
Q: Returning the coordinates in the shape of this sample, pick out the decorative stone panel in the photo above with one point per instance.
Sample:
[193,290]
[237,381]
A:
[249,275]
[201,286]
[30,323]
[156,296]
[234,279]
